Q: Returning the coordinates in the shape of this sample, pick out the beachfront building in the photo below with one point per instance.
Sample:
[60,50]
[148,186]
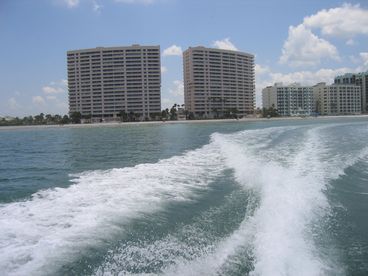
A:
[289,100]
[106,82]
[360,79]
[337,99]
[218,82]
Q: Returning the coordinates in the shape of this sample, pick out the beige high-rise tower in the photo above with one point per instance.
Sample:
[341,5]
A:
[103,82]
[218,82]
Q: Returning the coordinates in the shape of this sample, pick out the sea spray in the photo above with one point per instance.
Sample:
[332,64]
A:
[57,224]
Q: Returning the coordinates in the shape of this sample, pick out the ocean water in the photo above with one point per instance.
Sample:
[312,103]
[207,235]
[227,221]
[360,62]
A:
[235,198]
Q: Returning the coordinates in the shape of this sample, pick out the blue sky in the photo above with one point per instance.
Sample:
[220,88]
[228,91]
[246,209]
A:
[293,41]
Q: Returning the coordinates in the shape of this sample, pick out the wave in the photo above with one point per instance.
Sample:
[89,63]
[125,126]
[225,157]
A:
[286,171]
[275,232]
[55,225]
[290,199]
[278,233]
[292,202]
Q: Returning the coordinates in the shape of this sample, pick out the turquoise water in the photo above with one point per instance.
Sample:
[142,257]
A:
[234,198]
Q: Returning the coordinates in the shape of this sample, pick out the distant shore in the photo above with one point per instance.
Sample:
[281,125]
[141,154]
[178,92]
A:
[122,124]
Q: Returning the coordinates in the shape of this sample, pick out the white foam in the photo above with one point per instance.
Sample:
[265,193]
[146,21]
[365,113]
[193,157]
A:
[289,180]
[249,171]
[171,249]
[292,197]
[39,235]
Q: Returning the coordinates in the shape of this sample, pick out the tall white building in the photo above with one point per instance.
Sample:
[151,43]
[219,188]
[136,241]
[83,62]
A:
[106,81]
[289,100]
[337,99]
[218,82]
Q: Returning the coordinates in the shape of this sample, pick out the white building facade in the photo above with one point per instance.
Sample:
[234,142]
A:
[289,100]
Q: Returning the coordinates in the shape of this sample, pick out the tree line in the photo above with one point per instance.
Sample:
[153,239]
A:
[77,117]
[165,114]
[42,119]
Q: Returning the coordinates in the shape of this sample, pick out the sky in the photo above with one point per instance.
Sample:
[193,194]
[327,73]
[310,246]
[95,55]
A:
[305,41]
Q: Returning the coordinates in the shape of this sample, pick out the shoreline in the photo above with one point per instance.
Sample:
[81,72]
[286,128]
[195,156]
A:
[123,124]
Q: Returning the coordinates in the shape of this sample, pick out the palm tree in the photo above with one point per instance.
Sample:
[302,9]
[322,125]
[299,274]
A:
[65,120]
[123,116]
[76,117]
[131,116]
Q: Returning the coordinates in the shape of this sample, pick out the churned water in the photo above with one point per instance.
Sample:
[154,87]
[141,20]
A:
[260,198]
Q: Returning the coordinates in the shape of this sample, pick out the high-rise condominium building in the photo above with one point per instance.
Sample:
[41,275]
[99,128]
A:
[103,82]
[337,99]
[217,82]
[289,100]
[360,79]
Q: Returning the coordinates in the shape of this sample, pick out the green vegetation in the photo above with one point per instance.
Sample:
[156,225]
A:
[40,119]
[270,112]
[174,113]
[164,115]
[76,117]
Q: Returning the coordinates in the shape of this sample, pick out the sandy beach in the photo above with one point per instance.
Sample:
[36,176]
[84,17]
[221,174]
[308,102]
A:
[124,124]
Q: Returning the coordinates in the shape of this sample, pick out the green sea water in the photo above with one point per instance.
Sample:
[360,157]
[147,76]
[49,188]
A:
[228,198]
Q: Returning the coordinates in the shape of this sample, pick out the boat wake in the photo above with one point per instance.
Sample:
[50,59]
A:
[284,174]
[279,234]
[39,235]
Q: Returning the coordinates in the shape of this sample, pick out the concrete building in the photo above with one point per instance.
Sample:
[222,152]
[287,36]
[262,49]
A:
[105,81]
[360,79]
[218,82]
[289,100]
[337,99]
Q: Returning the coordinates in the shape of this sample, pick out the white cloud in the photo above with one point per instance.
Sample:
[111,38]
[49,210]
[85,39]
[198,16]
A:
[62,106]
[309,77]
[13,104]
[173,50]
[364,57]
[55,87]
[224,44]
[355,59]
[38,100]
[178,88]
[163,69]
[71,3]
[144,2]
[52,90]
[260,70]
[54,99]
[303,48]
[51,97]
[174,94]
[167,103]
[350,42]
[345,21]
[96,7]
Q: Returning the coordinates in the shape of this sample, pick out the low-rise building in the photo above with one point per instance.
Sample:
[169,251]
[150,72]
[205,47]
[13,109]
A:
[360,79]
[289,100]
[337,99]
